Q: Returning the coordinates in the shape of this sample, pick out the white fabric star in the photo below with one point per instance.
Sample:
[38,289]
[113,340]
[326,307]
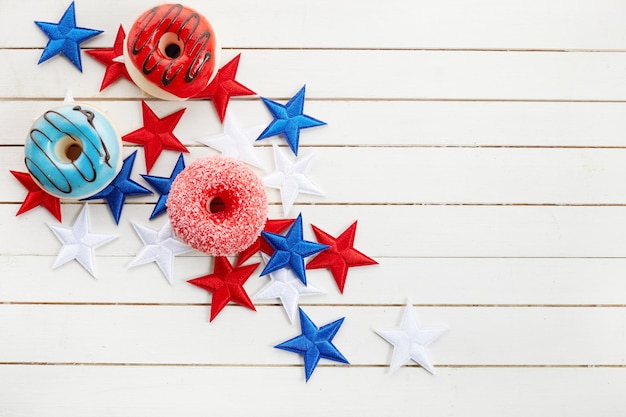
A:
[236,141]
[410,341]
[287,286]
[160,246]
[291,177]
[69,97]
[79,243]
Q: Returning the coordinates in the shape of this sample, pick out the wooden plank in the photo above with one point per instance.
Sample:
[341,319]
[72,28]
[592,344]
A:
[183,335]
[396,230]
[403,123]
[369,24]
[426,281]
[362,74]
[403,175]
[85,391]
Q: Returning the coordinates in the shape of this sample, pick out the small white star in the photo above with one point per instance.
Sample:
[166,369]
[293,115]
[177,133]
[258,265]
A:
[291,177]
[410,341]
[69,97]
[160,246]
[79,243]
[236,141]
[287,286]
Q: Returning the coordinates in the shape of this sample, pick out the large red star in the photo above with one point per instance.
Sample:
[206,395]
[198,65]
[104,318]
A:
[226,284]
[111,58]
[36,196]
[156,135]
[224,86]
[340,256]
[271,226]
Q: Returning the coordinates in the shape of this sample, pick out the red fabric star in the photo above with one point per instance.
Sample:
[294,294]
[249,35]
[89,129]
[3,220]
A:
[271,226]
[36,196]
[226,284]
[224,86]
[115,70]
[156,135]
[340,256]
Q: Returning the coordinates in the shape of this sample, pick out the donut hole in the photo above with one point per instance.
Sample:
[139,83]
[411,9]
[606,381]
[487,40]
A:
[215,204]
[68,150]
[170,45]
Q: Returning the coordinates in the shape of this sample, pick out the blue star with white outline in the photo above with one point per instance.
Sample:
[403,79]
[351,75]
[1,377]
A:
[288,120]
[65,38]
[290,250]
[314,343]
[162,185]
[121,187]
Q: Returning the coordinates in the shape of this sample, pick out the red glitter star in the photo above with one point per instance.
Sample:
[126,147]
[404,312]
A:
[226,284]
[271,226]
[340,256]
[224,86]
[36,196]
[110,57]
[156,135]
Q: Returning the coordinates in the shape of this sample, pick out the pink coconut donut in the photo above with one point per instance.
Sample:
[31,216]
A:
[217,205]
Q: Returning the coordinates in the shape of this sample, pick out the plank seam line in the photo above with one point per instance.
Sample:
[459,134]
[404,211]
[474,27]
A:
[324,365]
[332,305]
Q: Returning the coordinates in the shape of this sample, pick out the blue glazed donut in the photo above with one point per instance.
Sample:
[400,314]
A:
[73,151]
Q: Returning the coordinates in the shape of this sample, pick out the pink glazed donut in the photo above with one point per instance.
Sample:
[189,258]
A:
[217,205]
[171,52]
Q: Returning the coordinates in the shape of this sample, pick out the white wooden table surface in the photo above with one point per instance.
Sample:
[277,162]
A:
[480,145]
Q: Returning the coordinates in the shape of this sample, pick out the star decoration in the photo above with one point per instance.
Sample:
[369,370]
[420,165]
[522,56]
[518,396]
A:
[65,38]
[288,120]
[236,141]
[314,343]
[160,246]
[410,341]
[226,284]
[69,97]
[271,226]
[112,58]
[36,196]
[79,243]
[291,178]
[121,187]
[340,255]
[290,250]
[156,134]
[224,86]
[286,286]
[162,186]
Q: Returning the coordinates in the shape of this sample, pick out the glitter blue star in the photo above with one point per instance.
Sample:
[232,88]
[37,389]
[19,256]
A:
[288,120]
[162,186]
[290,250]
[65,38]
[121,187]
[314,343]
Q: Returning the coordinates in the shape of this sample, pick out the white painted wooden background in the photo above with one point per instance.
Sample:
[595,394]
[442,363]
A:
[480,145]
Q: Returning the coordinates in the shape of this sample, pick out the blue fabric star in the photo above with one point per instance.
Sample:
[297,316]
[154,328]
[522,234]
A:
[288,120]
[290,250]
[121,187]
[162,186]
[314,343]
[65,38]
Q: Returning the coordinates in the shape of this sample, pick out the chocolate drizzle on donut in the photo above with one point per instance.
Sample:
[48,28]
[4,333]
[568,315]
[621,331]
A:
[88,173]
[197,54]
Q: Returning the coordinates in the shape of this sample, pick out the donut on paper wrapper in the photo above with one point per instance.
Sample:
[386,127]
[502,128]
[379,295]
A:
[171,52]
[211,179]
[73,151]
